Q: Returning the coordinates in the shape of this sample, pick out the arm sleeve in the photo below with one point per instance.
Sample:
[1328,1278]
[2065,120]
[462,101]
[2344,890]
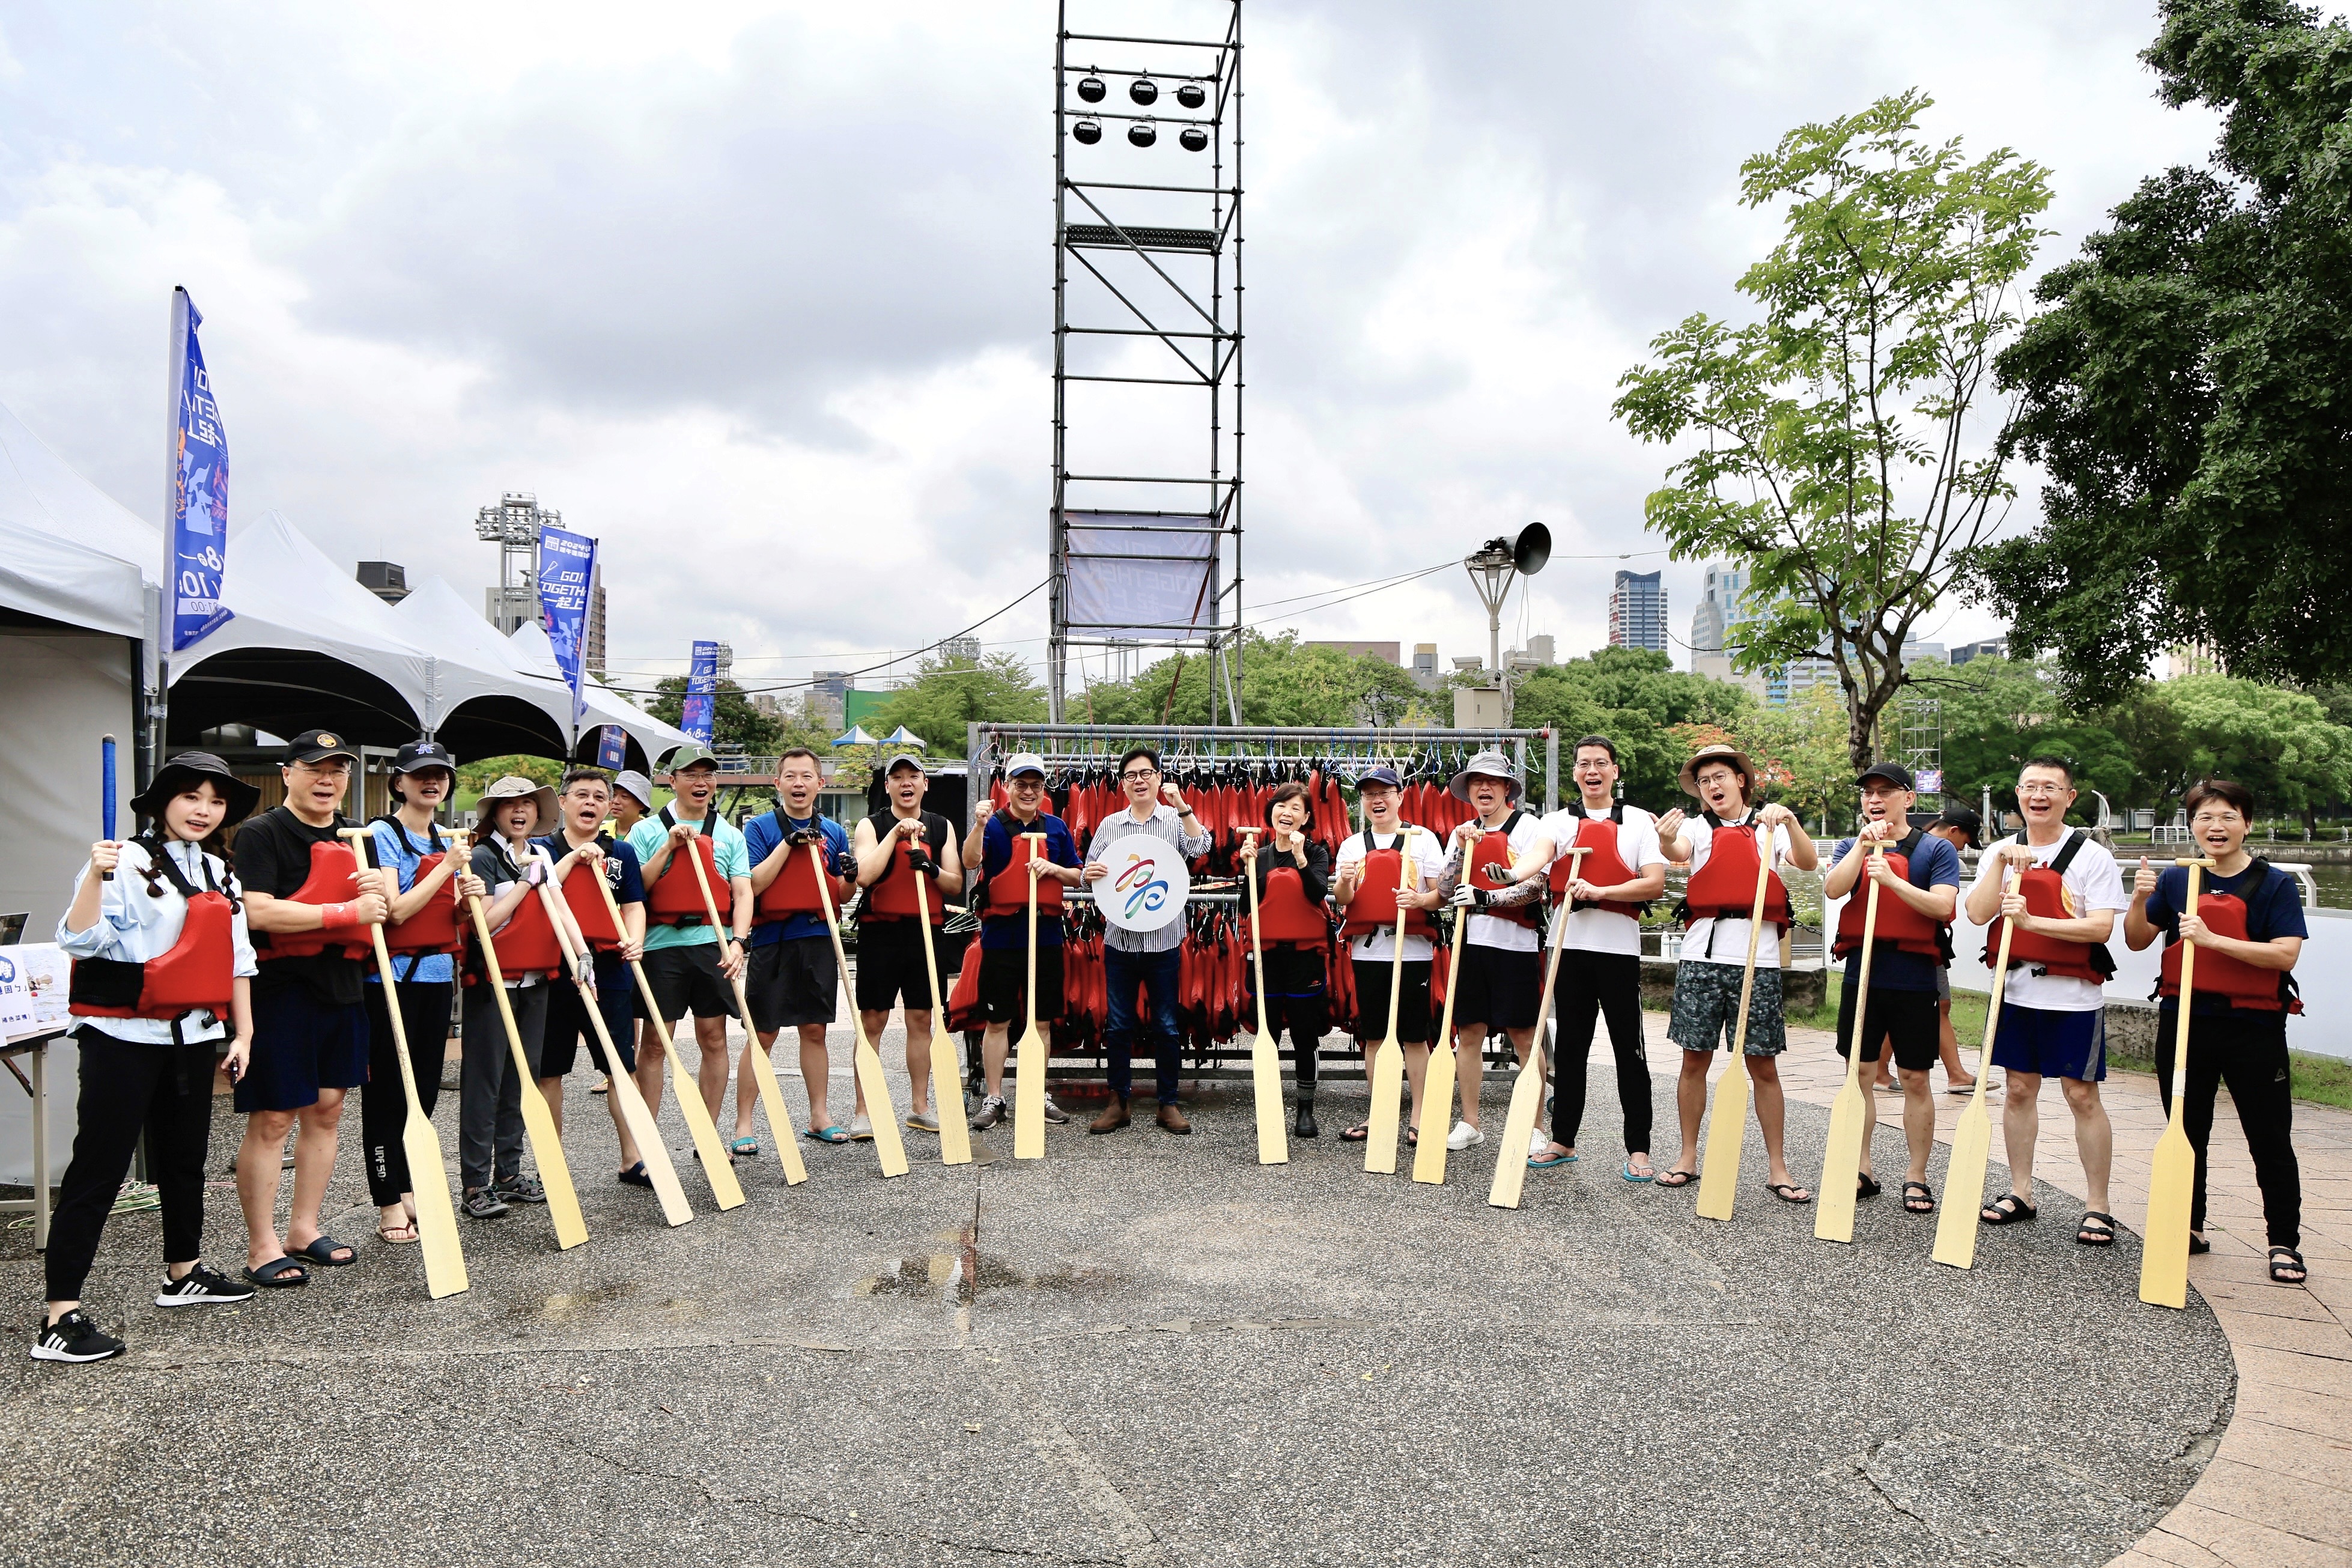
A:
[243,964]
[1316,879]
[2163,907]
[95,941]
[730,850]
[2102,887]
[1943,868]
[2284,915]
[1192,845]
[256,859]
[1063,847]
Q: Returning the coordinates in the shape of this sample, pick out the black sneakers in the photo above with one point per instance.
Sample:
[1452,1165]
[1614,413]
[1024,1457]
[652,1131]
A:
[202,1288]
[74,1338]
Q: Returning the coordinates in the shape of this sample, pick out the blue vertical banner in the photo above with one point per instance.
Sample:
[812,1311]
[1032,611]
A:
[567,564]
[701,693]
[199,521]
[612,747]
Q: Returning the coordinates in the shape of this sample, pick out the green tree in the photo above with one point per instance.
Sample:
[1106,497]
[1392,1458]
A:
[1997,712]
[733,721]
[1284,682]
[1800,749]
[949,694]
[2278,743]
[2182,391]
[481,772]
[1637,699]
[1830,435]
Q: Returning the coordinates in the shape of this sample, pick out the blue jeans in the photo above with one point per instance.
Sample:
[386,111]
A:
[1156,973]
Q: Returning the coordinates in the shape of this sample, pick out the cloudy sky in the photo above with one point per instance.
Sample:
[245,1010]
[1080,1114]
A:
[760,294]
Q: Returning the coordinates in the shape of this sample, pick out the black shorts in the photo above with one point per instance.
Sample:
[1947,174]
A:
[793,981]
[1500,988]
[890,967]
[687,979]
[301,1046]
[1907,1017]
[1003,977]
[1372,1001]
[568,1024]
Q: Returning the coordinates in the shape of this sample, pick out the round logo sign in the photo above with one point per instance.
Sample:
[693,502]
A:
[1147,883]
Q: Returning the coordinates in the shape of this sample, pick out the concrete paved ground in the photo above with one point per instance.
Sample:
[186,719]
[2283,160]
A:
[1143,1349]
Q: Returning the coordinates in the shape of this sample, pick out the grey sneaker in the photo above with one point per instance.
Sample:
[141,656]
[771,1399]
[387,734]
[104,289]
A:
[482,1203]
[1055,1113]
[520,1189]
[992,1111]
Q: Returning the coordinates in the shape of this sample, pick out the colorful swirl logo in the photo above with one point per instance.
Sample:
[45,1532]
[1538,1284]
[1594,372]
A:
[1142,886]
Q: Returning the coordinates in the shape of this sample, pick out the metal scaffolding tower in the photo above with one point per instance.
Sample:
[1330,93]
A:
[1922,749]
[1145,522]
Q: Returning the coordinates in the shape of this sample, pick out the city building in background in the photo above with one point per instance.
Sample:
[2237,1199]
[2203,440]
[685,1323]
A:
[1390,651]
[592,640]
[964,649]
[1723,604]
[1539,654]
[2190,658]
[513,526]
[828,696]
[387,580]
[1989,647]
[1424,666]
[1637,611]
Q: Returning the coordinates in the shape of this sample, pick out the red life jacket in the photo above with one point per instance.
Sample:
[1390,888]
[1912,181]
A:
[1725,887]
[676,897]
[1285,915]
[1008,890]
[1603,865]
[436,928]
[1374,907]
[2219,974]
[198,971]
[1490,869]
[794,891]
[2044,889]
[333,880]
[1898,922]
[527,945]
[892,896]
[590,912]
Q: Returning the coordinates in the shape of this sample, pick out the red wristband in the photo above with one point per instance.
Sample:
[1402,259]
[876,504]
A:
[337,917]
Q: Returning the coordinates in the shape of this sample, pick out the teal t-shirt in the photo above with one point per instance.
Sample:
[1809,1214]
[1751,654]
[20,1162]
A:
[647,837]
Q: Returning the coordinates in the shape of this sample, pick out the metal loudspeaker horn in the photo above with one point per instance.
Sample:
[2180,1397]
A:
[1531,549]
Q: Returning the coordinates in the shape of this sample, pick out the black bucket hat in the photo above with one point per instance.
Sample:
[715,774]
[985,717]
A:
[188,769]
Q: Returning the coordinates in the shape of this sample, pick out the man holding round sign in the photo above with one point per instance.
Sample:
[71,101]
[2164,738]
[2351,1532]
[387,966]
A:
[1135,869]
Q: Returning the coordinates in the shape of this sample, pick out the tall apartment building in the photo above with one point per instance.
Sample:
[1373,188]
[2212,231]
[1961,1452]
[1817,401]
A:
[1637,611]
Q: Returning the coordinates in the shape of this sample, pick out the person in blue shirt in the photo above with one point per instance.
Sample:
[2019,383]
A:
[1900,1011]
[690,965]
[2240,1041]
[795,978]
[1004,930]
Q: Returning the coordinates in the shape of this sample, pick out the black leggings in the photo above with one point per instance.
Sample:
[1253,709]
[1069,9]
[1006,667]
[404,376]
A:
[1609,984]
[127,1088]
[1306,1012]
[2246,1051]
[384,1105]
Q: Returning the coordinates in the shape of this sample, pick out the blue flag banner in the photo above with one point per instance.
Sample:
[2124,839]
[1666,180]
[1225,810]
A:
[612,747]
[199,523]
[701,693]
[567,564]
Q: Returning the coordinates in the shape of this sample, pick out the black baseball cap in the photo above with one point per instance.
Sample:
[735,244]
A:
[1894,773]
[317,745]
[1967,821]
[1380,776]
[418,755]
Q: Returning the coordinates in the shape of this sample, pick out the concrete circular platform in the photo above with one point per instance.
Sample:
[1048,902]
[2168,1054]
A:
[1151,1349]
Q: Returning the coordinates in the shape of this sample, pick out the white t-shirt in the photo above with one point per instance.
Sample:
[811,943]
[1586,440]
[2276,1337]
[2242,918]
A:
[1605,931]
[1494,930]
[2093,883]
[1724,940]
[1429,863]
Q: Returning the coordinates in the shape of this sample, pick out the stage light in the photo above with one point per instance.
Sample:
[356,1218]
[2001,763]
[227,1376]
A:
[1086,132]
[1191,95]
[1144,91]
[1142,133]
[1091,88]
[1193,138]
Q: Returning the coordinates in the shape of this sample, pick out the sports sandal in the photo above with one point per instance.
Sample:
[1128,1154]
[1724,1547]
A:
[2008,1209]
[2096,1230]
[827,1134]
[1923,1204]
[1789,1192]
[2286,1267]
[274,1274]
[1674,1178]
[322,1251]
[1865,1185]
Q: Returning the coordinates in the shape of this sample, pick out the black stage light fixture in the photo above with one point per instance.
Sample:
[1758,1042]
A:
[1191,95]
[1193,138]
[1086,131]
[1091,88]
[1142,133]
[1144,91]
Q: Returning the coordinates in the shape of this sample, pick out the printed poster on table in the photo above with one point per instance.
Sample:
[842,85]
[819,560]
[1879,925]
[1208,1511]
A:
[1146,885]
[33,988]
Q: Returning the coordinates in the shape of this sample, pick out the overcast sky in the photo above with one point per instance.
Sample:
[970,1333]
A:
[760,294]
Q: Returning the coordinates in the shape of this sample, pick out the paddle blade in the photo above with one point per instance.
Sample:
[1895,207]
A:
[1266,1082]
[718,1168]
[947,1096]
[1964,1179]
[1388,1109]
[547,1153]
[1436,1118]
[1518,1132]
[1029,1097]
[1841,1168]
[2164,1238]
[437,1216]
[779,1116]
[1727,1140]
[650,1148]
[888,1147]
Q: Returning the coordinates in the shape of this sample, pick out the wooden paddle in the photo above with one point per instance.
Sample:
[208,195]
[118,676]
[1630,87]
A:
[763,1072]
[624,1090]
[1437,1084]
[428,1178]
[2173,1170]
[1265,1065]
[1964,1177]
[1388,1063]
[717,1167]
[546,1145]
[888,1147]
[947,1065]
[1727,1127]
[1029,1091]
[1528,1094]
[1841,1165]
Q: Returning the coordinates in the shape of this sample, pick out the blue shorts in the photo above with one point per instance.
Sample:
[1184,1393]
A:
[301,1045]
[2054,1044]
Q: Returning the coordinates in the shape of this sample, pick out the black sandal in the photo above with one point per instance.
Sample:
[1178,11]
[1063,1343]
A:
[2096,1230]
[2286,1260]
[2008,1209]
[281,1273]
[1674,1178]
[1925,1204]
[2198,1245]
[1787,1192]
[1357,1133]
[1866,1187]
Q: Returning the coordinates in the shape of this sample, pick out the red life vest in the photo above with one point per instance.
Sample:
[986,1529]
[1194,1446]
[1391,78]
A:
[2219,974]
[1725,887]
[2044,887]
[1374,907]
[527,945]
[1489,870]
[198,971]
[1898,922]
[436,927]
[1285,915]
[1603,865]
[590,912]
[676,897]
[1008,890]
[333,880]
[892,896]
[794,891]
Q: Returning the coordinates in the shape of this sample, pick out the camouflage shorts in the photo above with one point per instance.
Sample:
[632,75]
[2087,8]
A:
[1707,1009]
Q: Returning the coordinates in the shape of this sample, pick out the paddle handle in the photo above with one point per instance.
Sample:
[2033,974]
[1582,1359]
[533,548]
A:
[363,840]
[2188,983]
[1258,954]
[1029,992]
[106,795]
[1755,932]
[1862,980]
[2000,988]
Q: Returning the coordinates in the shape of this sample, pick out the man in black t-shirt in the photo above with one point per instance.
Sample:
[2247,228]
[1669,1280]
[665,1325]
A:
[891,971]
[309,1026]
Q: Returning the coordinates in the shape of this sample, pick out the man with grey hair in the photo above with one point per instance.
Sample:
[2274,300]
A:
[1148,959]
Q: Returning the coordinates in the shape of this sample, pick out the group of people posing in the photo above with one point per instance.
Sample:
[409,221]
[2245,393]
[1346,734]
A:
[179,960]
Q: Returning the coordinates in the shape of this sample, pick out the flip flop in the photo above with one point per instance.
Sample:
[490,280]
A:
[322,1249]
[744,1148]
[1786,1191]
[1548,1162]
[272,1275]
[1632,1177]
[1674,1178]
[387,1234]
[1357,1133]
[636,1175]
[827,1134]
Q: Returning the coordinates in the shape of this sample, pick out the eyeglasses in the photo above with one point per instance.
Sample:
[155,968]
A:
[2038,792]
[1134,773]
[2217,819]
